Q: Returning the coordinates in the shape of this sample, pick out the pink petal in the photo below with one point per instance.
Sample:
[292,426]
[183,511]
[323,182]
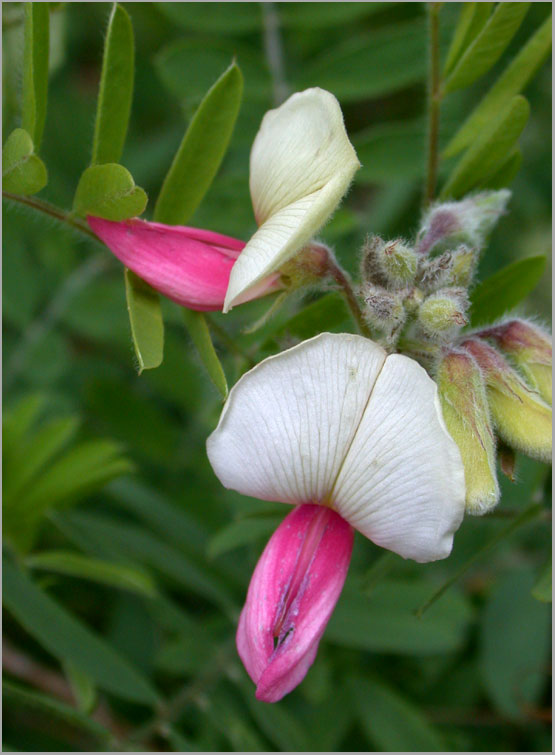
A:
[291,597]
[191,266]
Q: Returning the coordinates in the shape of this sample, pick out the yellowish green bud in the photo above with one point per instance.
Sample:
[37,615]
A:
[463,267]
[391,264]
[309,266]
[530,349]
[442,314]
[465,411]
[522,418]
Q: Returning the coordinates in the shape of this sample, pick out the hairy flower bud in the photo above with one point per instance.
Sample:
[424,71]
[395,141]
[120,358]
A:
[309,266]
[384,309]
[522,419]
[390,264]
[468,221]
[465,411]
[442,314]
[530,348]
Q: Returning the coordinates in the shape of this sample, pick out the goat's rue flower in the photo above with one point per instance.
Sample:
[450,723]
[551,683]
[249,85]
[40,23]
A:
[337,424]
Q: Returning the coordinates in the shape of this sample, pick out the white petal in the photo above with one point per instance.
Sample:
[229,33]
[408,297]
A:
[287,424]
[402,483]
[302,163]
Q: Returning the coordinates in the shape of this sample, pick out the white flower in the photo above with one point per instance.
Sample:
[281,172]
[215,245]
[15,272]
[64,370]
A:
[302,163]
[336,421]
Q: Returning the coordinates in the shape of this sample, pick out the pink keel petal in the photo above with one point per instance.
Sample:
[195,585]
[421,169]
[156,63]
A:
[291,597]
[191,266]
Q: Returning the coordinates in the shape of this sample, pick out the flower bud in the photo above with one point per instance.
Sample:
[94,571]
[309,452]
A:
[530,348]
[522,419]
[465,411]
[442,314]
[466,222]
[384,309]
[309,266]
[391,265]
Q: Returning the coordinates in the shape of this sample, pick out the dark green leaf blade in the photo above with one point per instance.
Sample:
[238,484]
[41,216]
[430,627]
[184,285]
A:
[147,325]
[22,171]
[486,156]
[68,639]
[392,723]
[505,289]
[488,46]
[94,569]
[241,533]
[542,590]
[200,334]
[35,70]
[109,191]
[506,172]
[512,81]
[116,89]
[201,151]
[15,695]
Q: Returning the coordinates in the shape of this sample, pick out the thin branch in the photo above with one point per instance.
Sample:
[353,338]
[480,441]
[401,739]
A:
[274,51]
[344,283]
[434,103]
[52,211]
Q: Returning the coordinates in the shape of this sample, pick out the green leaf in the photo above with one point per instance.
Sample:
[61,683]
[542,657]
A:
[329,313]
[94,569]
[390,151]
[35,70]
[67,639]
[40,705]
[488,46]
[109,191]
[514,645]
[542,589]
[215,18]
[371,64]
[471,21]
[200,334]
[512,81]
[22,171]
[277,723]
[391,722]
[82,687]
[385,621]
[201,151]
[505,289]
[116,89]
[325,15]
[490,150]
[18,420]
[505,174]
[242,532]
[147,325]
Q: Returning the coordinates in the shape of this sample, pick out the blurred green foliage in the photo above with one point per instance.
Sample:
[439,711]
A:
[128,593]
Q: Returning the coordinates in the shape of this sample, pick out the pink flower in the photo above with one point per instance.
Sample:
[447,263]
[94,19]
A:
[191,266]
[291,597]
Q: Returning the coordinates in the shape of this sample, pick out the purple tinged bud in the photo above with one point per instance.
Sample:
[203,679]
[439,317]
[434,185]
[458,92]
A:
[529,347]
[291,597]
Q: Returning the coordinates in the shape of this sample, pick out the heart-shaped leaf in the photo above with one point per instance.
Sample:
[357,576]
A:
[109,191]
[22,171]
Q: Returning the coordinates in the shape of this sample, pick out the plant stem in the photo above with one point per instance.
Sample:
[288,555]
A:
[52,211]
[434,102]
[343,281]
[274,51]
[228,341]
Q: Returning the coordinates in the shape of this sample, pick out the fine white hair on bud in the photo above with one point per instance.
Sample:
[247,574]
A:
[443,314]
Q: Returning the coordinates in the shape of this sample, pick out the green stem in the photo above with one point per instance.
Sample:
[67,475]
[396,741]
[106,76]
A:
[344,283]
[434,103]
[223,336]
[52,211]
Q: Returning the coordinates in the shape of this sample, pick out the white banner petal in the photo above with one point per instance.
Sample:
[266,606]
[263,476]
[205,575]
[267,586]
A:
[288,423]
[402,483]
[302,163]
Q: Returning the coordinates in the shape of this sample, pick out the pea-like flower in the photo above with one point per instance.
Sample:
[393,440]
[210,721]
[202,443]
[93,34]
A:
[353,438]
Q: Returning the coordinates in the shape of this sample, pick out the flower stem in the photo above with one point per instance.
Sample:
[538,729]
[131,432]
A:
[434,103]
[343,281]
[52,211]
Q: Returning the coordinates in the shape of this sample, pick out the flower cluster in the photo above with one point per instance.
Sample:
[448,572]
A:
[350,434]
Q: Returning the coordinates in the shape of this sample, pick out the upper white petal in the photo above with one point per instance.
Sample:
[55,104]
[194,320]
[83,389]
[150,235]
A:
[302,163]
[402,482]
[287,424]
